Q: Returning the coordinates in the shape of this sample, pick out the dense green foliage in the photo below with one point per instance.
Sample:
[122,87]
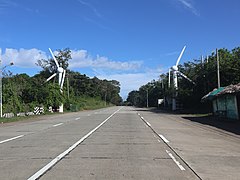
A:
[21,93]
[204,74]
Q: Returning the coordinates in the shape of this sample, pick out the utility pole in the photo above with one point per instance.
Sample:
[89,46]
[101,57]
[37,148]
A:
[1,115]
[68,85]
[147,98]
[1,76]
[105,98]
[218,72]
[169,78]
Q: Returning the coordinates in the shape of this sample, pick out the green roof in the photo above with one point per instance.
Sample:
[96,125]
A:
[211,95]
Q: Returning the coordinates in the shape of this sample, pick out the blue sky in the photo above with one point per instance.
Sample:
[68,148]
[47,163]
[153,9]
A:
[132,41]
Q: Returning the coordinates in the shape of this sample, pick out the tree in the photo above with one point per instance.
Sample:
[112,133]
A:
[203,74]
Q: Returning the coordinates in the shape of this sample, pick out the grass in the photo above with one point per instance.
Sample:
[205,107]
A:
[14,119]
[86,103]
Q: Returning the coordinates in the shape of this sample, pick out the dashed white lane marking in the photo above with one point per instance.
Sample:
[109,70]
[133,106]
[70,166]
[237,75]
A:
[163,138]
[148,124]
[77,118]
[11,139]
[89,115]
[174,159]
[144,120]
[62,155]
[57,124]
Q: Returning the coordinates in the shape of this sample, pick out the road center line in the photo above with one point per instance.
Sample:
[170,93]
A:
[144,120]
[62,155]
[174,159]
[163,138]
[11,139]
[57,124]
[148,124]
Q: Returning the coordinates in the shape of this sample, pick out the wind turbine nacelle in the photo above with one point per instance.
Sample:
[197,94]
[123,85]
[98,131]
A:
[175,68]
[60,70]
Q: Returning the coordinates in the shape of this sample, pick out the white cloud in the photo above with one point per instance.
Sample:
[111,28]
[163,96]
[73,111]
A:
[189,5]
[23,57]
[91,7]
[81,58]
[126,72]
[131,81]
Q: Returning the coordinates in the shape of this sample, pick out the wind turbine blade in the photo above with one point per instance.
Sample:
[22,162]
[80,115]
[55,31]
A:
[180,56]
[56,62]
[52,76]
[184,76]
[63,77]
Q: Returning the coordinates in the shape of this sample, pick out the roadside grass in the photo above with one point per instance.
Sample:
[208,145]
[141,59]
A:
[15,118]
[85,104]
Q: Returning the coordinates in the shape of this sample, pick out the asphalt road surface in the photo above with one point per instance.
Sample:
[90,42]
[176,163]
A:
[117,143]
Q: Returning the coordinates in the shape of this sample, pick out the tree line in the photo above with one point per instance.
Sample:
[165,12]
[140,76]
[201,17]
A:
[21,93]
[203,72]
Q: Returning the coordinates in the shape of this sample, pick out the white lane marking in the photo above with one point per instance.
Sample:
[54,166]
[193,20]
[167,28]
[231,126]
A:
[145,125]
[174,159]
[63,154]
[57,124]
[89,115]
[145,120]
[77,118]
[163,138]
[148,124]
[11,139]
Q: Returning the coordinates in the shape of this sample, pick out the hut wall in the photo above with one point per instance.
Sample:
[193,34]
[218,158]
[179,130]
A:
[227,104]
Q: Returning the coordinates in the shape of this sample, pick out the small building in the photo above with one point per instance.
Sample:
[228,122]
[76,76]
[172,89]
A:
[225,101]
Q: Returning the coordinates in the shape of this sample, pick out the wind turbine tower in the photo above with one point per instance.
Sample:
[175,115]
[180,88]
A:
[175,79]
[61,76]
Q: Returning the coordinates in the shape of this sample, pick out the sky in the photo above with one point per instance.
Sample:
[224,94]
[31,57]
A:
[131,41]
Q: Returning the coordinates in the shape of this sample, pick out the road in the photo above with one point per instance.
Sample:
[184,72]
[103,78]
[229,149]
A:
[117,143]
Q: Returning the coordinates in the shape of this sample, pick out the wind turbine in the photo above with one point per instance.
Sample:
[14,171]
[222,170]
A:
[61,76]
[175,78]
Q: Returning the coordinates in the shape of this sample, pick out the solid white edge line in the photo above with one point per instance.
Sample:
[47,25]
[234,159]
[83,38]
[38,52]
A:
[163,138]
[11,139]
[60,156]
[174,159]
[59,124]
